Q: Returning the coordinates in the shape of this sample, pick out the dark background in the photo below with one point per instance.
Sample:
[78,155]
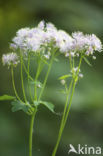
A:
[85,124]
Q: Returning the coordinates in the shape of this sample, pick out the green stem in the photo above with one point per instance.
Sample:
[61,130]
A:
[36,78]
[74,84]
[73,63]
[28,73]
[35,88]
[70,102]
[22,78]
[33,115]
[81,58]
[70,61]
[62,121]
[46,77]
[13,82]
[31,132]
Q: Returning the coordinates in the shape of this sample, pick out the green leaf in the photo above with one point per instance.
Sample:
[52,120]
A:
[87,61]
[17,105]
[6,97]
[49,105]
[37,83]
[64,77]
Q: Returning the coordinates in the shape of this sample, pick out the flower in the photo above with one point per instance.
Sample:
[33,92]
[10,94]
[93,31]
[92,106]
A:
[63,41]
[38,38]
[46,35]
[63,82]
[81,75]
[41,25]
[86,44]
[75,72]
[94,42]
[10,59]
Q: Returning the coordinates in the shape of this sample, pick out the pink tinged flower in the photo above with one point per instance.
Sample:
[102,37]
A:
[86,43]
[10,59]
[41,25]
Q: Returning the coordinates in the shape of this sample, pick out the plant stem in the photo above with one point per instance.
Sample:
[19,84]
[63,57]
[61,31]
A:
[36,78]
[62,121]
[34,113]
[70,61]
[46,77]
[28,74]
[65,116]
[13,82]
[35,88]
[73,89]
[22,78]
[31,132]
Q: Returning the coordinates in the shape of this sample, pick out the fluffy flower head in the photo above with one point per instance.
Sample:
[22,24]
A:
[37,38]
[10,59]
[86,44]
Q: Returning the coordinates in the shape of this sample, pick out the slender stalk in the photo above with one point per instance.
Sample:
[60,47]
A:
[28,73]
[73,89]
[74,84]
[34,113]
[35,88]
[22,81]
[62,121]
[81,58]
[31,132]
[64,118]
[70,61]
[13,82]
[47,74]
[36,78]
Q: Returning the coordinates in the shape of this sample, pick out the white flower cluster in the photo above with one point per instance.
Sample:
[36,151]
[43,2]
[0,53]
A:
[45,37]
[10,59]
[86,44]
[41,37]
[38,38]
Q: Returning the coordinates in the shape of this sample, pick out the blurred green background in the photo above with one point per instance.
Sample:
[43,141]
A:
[85,124]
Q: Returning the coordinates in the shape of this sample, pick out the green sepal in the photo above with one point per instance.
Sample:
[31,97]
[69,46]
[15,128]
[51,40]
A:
[6,97]
[87,61]
[49,105]
[64,77]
